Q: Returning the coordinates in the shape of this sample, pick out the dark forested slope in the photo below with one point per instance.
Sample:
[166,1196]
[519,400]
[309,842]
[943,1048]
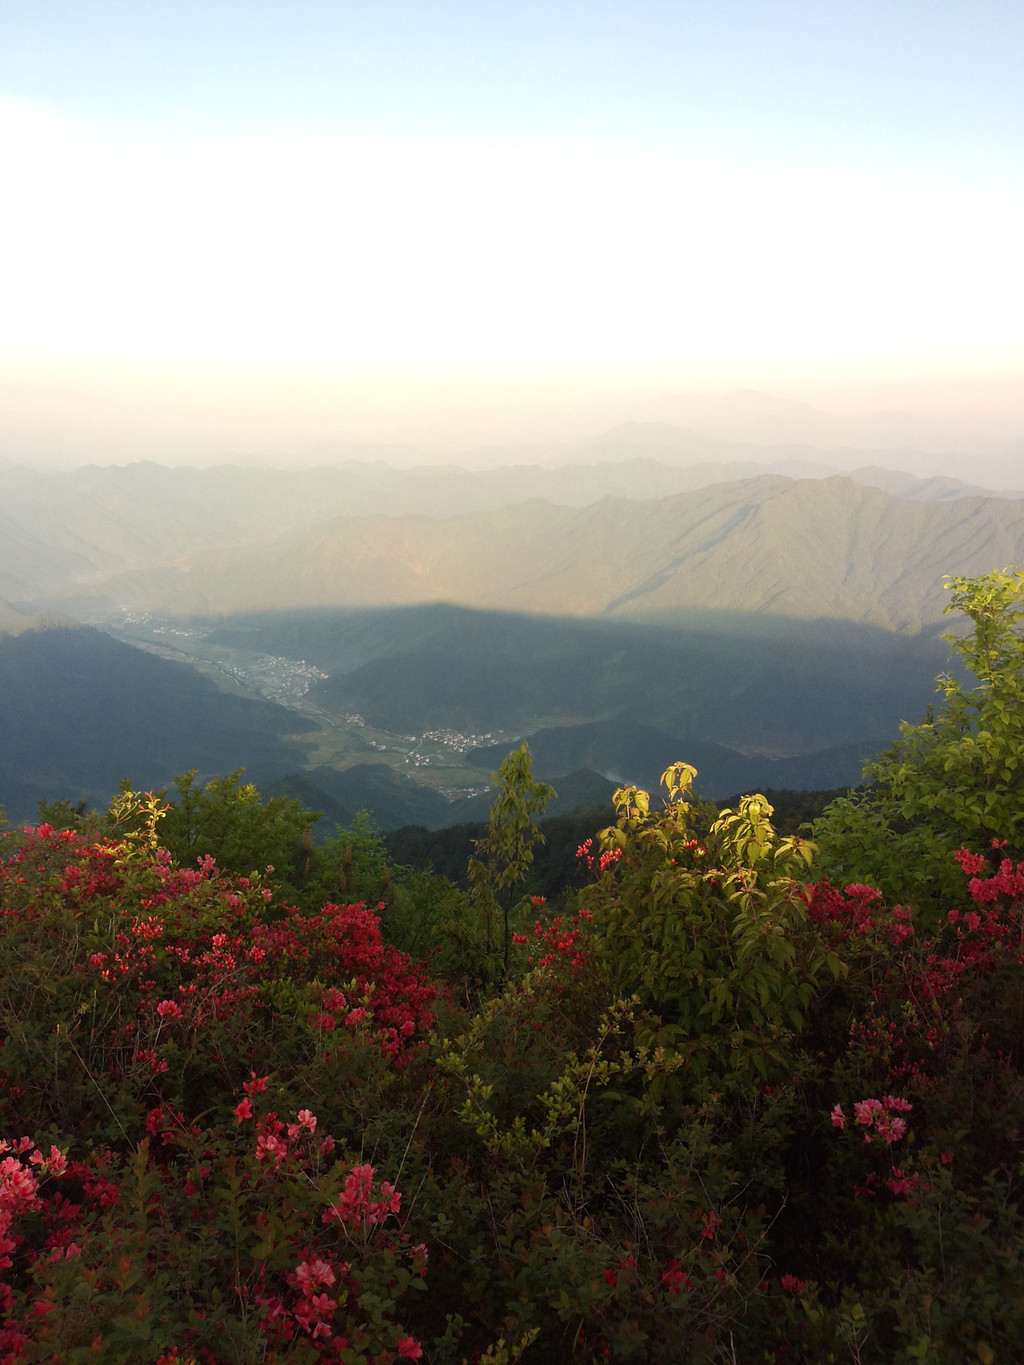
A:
[82,712]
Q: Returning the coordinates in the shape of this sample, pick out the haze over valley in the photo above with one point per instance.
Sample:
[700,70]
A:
[376,637]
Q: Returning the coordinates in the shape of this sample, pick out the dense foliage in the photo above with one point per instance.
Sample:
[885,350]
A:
[956,777]
[712,1107]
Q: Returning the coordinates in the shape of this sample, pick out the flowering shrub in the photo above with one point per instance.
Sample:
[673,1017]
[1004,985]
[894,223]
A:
[270,1244]
[954,778]
[706,1111]
[137,982]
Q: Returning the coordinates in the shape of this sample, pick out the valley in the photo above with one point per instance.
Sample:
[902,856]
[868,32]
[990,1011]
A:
[433,696]
[336,739]
[374,637]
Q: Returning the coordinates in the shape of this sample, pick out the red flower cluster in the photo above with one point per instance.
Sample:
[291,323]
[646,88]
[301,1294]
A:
[846,912]
[563,944]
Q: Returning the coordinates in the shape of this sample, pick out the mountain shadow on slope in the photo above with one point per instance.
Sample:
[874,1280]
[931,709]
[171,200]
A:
[82,712]
[774,687]
[752,701]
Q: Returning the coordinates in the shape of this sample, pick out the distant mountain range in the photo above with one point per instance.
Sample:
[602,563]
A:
[635,539]
[651,594]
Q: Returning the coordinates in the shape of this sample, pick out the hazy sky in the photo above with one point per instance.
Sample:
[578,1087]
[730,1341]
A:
[238,224]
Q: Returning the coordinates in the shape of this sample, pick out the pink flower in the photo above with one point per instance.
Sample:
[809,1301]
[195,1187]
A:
[410,1348]
[168,1009]
[674,1279]
[270,1147]
[972,863]
[306,1123]
[891,1129]
[865,1111]
[310,1275]
[945,1158]
[838,1117]
[243,1110]
[792,1285]
[55,1164]
[312,1314]
[355,1204]
[709,1222]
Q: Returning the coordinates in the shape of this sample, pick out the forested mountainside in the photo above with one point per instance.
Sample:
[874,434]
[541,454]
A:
[775,688]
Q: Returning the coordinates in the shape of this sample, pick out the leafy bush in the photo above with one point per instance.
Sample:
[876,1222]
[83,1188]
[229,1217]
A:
[957,777]
[705,924]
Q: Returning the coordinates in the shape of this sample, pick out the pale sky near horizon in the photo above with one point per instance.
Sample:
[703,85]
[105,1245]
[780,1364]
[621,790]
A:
[227,225]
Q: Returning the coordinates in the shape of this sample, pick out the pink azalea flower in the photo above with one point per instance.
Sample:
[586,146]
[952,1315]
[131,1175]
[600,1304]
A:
[865,1111]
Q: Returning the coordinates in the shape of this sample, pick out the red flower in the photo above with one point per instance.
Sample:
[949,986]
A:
[674,1279]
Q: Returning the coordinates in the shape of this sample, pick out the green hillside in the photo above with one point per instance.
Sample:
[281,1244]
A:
[762,702]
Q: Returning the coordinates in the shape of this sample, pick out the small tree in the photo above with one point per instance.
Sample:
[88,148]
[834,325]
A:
[957,777]
[505,853]
[228,819]
[698,914]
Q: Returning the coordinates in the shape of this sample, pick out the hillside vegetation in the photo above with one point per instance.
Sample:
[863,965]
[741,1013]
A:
[265,1102]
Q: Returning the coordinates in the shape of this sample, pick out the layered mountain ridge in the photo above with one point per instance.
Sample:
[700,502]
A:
[366,631]
[608,540]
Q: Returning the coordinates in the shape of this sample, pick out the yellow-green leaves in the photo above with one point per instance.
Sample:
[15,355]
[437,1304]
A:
[699,915]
